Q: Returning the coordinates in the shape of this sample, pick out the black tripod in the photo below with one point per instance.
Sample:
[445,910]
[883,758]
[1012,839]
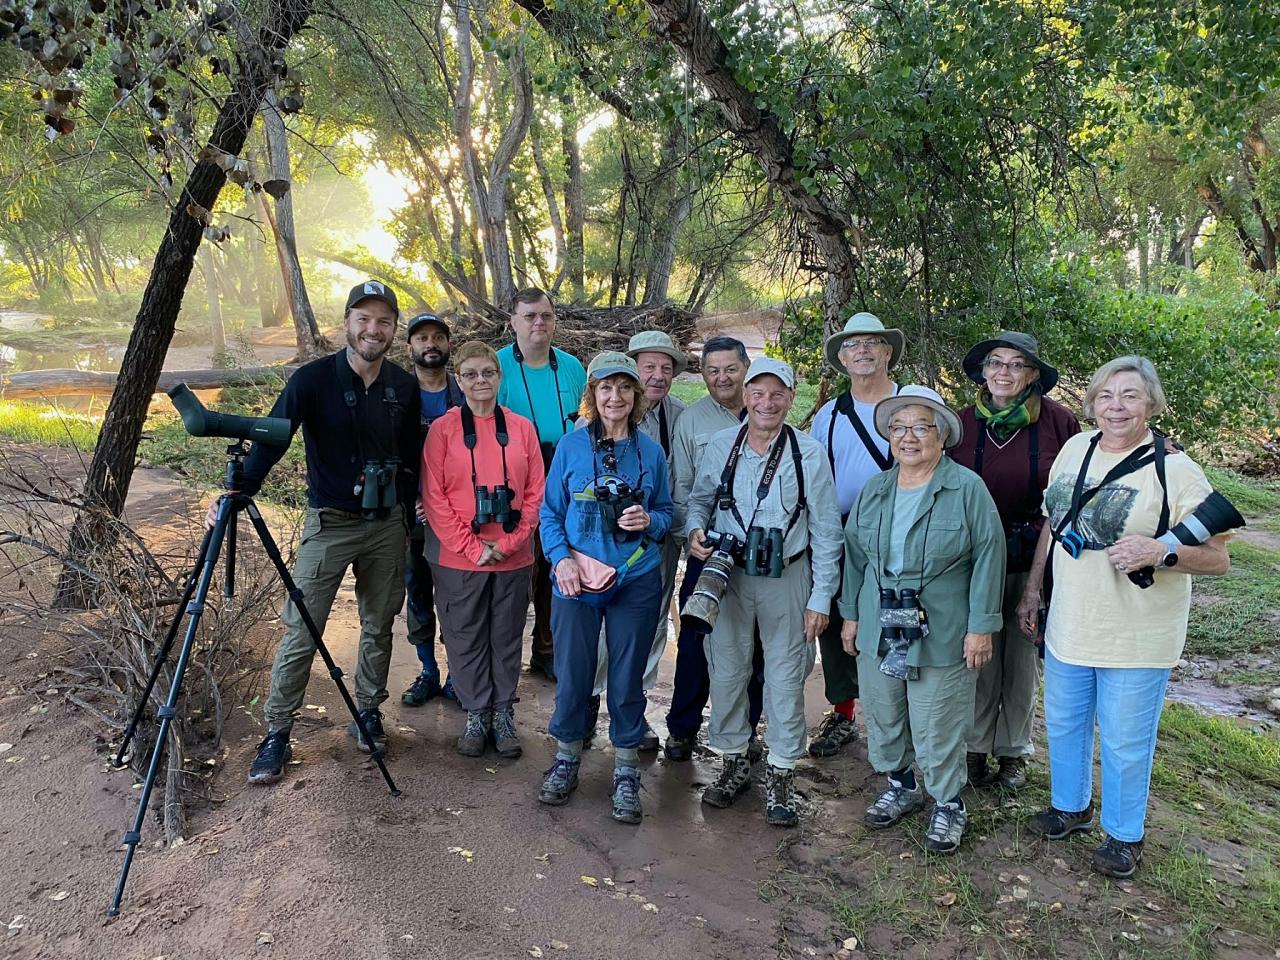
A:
[223,531]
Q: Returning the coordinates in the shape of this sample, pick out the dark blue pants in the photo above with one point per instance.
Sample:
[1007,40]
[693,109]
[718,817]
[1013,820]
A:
[419,590]
[693,684]
[630,616]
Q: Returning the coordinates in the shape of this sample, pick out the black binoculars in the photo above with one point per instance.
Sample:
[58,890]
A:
[762,555]
[614,499]
[494,506]
[376,488]
[901,616]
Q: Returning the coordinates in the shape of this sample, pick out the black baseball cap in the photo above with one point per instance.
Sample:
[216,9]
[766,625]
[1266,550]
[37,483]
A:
[373,290]
[422,320]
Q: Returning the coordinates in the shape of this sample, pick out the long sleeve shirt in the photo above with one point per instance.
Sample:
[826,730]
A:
[699,422]
[954,555]
[818,527]
[382,425]
[450,502]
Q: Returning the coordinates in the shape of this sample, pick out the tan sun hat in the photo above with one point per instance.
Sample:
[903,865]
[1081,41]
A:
[917,396]
[867,323]
[657,341]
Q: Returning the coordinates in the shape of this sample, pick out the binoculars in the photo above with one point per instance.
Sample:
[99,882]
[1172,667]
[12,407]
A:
[902,621]
[376,488]
[762,554]
[614,499]
[494,506]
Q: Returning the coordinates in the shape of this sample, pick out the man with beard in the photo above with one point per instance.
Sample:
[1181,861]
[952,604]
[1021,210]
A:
[359,419]
[429,347]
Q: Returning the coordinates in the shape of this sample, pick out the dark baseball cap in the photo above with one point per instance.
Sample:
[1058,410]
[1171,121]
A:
[373,290]
[421,320]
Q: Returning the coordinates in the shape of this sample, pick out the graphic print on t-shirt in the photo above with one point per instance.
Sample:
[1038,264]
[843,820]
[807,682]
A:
[1103,518]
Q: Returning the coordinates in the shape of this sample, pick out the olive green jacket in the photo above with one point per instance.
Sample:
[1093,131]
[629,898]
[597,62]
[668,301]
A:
[964,560]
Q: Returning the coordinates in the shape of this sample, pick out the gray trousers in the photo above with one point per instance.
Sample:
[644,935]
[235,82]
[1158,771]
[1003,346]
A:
[670,559]
[924,721]
[777,607]
[482,620]
[1005,702]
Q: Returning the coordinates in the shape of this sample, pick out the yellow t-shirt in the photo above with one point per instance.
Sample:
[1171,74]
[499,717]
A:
[1098,618]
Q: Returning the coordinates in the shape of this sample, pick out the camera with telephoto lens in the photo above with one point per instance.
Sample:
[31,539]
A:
[1215,515]
[902,622]
[614,500]
[703,606]
[762,555]
[376,488]
[493,505]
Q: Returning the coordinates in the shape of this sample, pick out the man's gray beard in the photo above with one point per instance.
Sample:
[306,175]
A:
[434,364]
[368,356]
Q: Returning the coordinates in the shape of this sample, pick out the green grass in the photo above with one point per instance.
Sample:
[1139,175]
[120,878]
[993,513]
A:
[1242,613]
[806,397]
[47,425]
[1253,498]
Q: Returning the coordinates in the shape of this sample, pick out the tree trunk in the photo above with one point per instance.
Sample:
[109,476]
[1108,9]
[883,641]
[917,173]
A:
[262,281]
[216,333]
[111,468]
[574,206]
[549,192]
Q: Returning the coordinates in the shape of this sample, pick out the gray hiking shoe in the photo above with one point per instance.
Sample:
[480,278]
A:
[946,827]
[560,781]
[626,794]
[780,797]
[893,805]
[372,719]
[503,733]
[735,777]
[476,733]
[835,732]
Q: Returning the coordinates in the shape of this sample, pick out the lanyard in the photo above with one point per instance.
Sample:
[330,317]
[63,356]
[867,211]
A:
[664,437]
[724,495]
[518,355]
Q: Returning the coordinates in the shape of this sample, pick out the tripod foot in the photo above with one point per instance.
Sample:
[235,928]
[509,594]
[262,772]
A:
[113,911]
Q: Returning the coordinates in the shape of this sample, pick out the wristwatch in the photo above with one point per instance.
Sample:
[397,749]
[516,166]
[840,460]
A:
[1170,558]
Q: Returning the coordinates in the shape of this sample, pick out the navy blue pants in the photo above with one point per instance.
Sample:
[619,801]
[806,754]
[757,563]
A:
[630,616]
[693,683]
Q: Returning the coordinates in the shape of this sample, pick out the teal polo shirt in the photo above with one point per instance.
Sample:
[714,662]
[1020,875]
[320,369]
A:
[547,395]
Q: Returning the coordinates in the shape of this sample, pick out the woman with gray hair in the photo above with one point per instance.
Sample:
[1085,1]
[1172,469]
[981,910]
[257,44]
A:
[1109,643]
[923,582]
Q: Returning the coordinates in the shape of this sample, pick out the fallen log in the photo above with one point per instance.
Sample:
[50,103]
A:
[46,384]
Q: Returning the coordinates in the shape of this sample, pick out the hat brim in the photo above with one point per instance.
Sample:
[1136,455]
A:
[679,359]
[892,334]
[605,372]
[886,408]
[978,353]
[415,327]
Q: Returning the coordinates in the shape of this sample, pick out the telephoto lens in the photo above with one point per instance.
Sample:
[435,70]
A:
[703,606]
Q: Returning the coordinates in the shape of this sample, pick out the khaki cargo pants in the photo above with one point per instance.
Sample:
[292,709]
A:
[332,541]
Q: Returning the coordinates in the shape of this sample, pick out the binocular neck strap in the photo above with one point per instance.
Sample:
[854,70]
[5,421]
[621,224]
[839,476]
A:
[469,438]
[1136,460]
[347,381]
[725,497]
[518,355]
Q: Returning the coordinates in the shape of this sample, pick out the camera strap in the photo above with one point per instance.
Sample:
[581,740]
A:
[1136,460]
[598,440]
[844,404]
[469,438]
[518,355]
[347,382]
[724,495]
[1032,503]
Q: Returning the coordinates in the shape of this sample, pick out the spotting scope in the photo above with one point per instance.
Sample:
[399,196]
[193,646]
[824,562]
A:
[200,421]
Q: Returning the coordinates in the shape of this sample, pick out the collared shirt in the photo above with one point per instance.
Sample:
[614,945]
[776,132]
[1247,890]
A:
[818,527]
[670,407]
[699,422]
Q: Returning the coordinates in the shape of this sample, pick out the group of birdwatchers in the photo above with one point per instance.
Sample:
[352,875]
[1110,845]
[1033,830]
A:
[909,544]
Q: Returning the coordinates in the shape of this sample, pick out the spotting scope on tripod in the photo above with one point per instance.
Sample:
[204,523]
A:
[273,431]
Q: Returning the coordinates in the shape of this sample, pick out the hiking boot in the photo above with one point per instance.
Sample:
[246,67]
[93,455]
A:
[273,753]
[543,663]
[593,719]
[755,749]
[649,741]
[979,772]
[946,827]
[780,797]
[835,732]
[560,781]
[1117,858]
[423,688]
[626,794]
[679,749]
[475,734]
[893,805]
[503,733]
[1012,774]
[735,777]
[1055,824]
[373,723]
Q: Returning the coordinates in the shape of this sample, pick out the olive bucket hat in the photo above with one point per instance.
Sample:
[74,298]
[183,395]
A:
[864,323]
[1024,343]
[657,341]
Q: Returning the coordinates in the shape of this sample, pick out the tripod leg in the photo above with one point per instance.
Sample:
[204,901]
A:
[295,594]
[166,713]
[163,654]
[229,588]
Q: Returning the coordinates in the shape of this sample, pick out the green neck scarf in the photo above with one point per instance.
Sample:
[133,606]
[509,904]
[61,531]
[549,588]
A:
[1004,423]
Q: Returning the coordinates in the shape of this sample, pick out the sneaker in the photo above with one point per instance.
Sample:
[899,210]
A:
[893,805]
[475,734]
[780,797]
[755,749]
[593,718]
[1055,824]
[1012,775]
[560,781]
[679,749]
[626,794]
[735,777]
[648,740]
[423,688]
[273,753]
[979,772]
[543,663]
[946,827]
[835,732]
[1117,858]
[373,723]
[503,733]
[448,692]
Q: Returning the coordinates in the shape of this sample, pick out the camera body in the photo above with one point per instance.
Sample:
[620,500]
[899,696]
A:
[1020,545]
[376,488]
[725,543]
[614,499]
[762,554]
[703,606]
[493,505]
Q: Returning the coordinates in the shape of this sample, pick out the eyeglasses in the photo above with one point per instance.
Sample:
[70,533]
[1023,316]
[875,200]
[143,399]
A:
[1013,366]
[471,376]
[918,430]
[853,343]
[530,317]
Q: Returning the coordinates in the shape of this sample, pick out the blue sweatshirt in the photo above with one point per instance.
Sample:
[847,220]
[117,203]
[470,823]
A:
[570,515]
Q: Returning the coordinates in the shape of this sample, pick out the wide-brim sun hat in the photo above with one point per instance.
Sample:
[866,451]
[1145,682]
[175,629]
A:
[1024,343]
[864,323]
[610,363]
[657,341]
[917,396]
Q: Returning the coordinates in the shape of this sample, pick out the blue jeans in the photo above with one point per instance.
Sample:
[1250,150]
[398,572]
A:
[1127,702]
[630,618]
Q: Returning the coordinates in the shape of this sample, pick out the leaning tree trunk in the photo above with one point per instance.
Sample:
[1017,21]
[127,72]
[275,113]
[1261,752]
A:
[111,468]
[575,215]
